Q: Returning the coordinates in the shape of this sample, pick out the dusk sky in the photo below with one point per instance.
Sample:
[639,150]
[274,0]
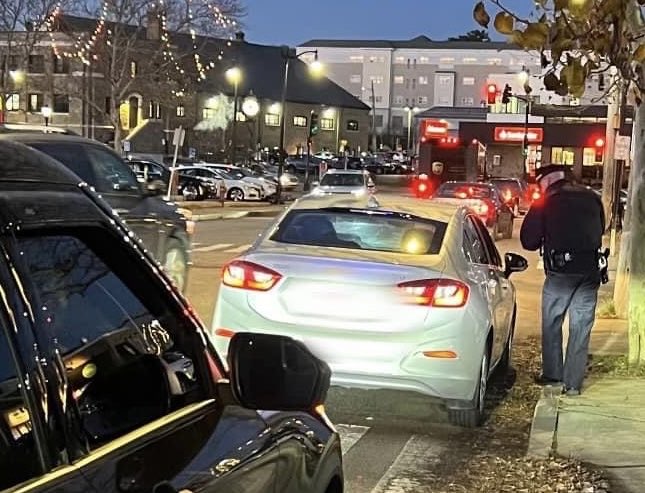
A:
[295,21]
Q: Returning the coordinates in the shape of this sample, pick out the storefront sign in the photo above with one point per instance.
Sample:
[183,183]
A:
[433,128]
[516,134]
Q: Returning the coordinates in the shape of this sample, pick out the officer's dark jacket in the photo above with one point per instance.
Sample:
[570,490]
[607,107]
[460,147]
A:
[570,218]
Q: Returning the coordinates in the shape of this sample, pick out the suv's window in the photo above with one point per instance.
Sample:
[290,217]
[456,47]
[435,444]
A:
[473,245]
[112,174]
[129,360]
[18,457]
[71,156]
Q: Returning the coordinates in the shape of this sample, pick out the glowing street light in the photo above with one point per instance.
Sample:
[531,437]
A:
[234,76]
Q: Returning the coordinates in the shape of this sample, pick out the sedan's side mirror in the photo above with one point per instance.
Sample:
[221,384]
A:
[273,372]
[514,263]
[156,187]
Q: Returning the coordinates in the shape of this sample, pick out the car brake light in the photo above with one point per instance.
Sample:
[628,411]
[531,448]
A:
[445,293]
[422,187]
[536,195]
[248,275]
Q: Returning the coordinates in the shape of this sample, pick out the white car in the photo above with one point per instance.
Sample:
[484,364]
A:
[325,155]
[268,188]
[393,294]
[344,181]
[235,189]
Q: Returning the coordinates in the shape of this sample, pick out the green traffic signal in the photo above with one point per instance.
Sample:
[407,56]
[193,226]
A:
[313,124]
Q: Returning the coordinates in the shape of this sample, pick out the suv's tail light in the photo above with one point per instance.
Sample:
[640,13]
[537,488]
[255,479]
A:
[248,275]
[436,292]
[535,195]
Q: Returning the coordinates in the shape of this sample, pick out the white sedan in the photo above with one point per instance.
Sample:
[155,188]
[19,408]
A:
[393,294]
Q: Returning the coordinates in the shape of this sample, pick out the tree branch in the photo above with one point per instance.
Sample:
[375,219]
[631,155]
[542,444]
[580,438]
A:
[499,5]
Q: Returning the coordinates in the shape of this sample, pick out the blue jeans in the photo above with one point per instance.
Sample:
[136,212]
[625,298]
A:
[577,293]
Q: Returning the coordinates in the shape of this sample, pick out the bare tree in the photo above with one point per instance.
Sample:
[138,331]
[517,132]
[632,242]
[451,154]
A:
[578,38]
[135,44]
[23,23]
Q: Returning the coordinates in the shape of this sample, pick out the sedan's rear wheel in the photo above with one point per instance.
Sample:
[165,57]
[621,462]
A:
[235,194]
[471,418]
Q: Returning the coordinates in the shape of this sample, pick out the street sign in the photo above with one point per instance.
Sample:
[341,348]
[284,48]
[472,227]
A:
[622,147]
[516,134]
[178,137]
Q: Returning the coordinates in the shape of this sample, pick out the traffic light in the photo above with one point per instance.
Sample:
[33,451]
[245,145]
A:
[506,96]
[492,94]
[600,150]
[313,124]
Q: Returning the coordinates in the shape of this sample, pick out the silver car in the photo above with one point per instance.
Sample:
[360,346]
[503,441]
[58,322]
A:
[392,293]
[344,181]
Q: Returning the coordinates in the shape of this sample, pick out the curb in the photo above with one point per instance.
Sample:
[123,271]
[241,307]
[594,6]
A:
[545,424]
[235,215]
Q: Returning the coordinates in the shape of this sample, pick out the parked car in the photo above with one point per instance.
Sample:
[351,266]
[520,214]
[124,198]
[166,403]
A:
[393,293]
[161,226]
[484,199]
[298,164]
[515,193]
[190,188]
[109,382]
[268,187]
[344,181]
[287,180]
[236,189]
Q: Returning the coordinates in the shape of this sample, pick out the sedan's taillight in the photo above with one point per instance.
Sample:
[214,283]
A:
[248,275]
[448,293]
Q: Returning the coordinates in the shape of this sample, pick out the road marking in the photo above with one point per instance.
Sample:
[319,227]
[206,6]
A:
[238,249]
[411,472]
[349,435]
[212,248]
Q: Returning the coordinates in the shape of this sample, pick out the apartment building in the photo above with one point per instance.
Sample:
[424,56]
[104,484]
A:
[403,79]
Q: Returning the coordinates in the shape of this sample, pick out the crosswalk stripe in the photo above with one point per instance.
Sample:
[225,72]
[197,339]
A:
[349,435]
[212,248]
[411,472]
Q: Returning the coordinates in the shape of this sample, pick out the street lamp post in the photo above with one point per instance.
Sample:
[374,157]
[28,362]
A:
[234,75]
[288,54]
[524,76]
[47,113]
[410,112]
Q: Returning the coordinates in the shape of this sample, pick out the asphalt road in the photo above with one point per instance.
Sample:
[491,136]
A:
[392,441]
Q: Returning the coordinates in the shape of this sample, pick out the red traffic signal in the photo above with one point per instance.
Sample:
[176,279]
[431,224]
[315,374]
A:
[600,149]
[492,93]
[600,142]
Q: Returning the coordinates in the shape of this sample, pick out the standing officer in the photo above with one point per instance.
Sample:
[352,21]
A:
[567,226]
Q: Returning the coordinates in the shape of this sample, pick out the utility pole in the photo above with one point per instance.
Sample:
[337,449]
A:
[373,119]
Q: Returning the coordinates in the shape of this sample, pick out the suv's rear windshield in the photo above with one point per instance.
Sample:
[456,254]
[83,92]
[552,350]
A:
[362,230]
[463,191]
[343,180]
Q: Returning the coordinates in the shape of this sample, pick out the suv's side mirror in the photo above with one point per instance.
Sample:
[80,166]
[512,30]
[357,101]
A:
[276,373]
[514,263]
[155,187]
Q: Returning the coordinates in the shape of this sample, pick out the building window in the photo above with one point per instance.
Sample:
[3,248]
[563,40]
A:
[469,60]
[180,111]
[399,79]
[397,122]
[299,121]
[377,79]
[35,102]
[422,99]
[589,157]
[468,81]
[378,121]
[12,102]
[562,155]
[398,99]
[414,83]
[424,60]
[241,116]
[154,110]
[61,103]
[467,101]
[36,64]
[208,113]
[357,59]
[60,64]
[352,125]
[378,99]
[423,80]
[399,59]
[327,123]
[446,59]
[355,79]
[495,61]
[445,80]
[108,105]
[272,120]
[133,69]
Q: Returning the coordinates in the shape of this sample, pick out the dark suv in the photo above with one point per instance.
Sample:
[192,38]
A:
[159,224]
[108,382]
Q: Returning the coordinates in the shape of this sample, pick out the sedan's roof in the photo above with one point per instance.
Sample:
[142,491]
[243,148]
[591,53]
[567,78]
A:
[407,205]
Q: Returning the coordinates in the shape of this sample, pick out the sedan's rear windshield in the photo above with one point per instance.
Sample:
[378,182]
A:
[362,230]
[463,191]
[342,180]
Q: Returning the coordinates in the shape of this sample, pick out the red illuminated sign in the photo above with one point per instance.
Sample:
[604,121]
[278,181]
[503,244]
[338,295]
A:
[516,134]
[433,128]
